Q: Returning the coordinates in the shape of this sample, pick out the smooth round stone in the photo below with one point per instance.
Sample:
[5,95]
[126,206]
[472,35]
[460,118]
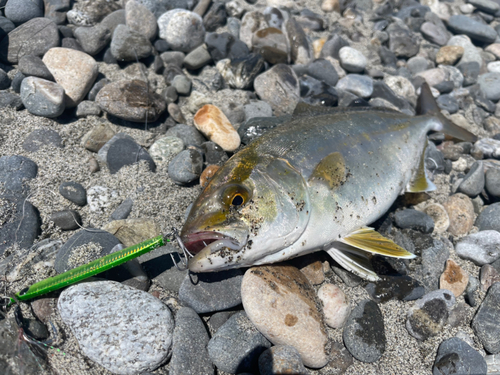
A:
[336,307]
[279,86]
[236,346]
[281,303]
[300,48]
[140,19]
[414,219]
[493,181]
[197,58]
[485,322]
[429,315]
[434,34]
[93,39]
[489,218]
[131,101]
[364,332]
[213,291]
[34,37]
[272,44]
[42,97]
[15,170]
[74,192]
[165,147]
[31,65]
[460,24]
[489,84]
[21,11]
[214,124]
[281,359]
[123,210]
[448,103]
[241,72]
[323,70]
[455,356]
[481,248]
[129,45]
[250,23]
[417,64]
[474,180]
[66,219]
[185,167]
[461,213]
[125,152]
[42,137]
[449,55]
[183,30]
[189,134]
[433,77]
[352,60]
[486,6]
[356,84]
[189,347]
[142,337]
[75,71]
[454,278]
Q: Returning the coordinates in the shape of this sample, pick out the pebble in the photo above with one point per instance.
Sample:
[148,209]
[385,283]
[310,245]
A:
[241,73]
[129,45]
[15,171]
[401,86]
[364,332]
[237,345]
[449,55]
[131,101]
[212,291]
[215,17]
[461,213]
[97,137]
[185,167]
[100,198]
[66,219]
[93,39]
[448,103]
[492,182]
[213,123]
[42,97]
[197,58]
[141,19]
[189,134]
[401,41]
[34,37]
[454,278]
[455,357]
[123,152]
[440,217]
[31,65]
[123,210]
[481,248]
[356,84]
[489,218]
[418,64]
[300,48]
[489,85]
[429,315]
[21,11]
[87,108]
[142,337]
[39,138]
[283,306]
[474,180]
[279,86]
[403,288]
[74,192]
[251,23]
[434,254]
[489,147]
[281,359]
[336,308]
[272,44]
[478,31]
[257,108]
[485,322]
[165,147]
[189,347]
[434,33]
[75,71]
[183,30]
[323,70]
[488,276]
[414,219]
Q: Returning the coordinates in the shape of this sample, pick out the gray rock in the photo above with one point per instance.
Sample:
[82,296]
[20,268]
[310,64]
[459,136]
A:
[219,318]
[332,46]
[87,108]
[487,6]
[182,84]
[356,84]
[42,97]
[159,7]
[21,11]
[478,31]
[71,43]
[56,10]
[236,346]
[472,286]
[485,323]
[186,167]
[352,60]
[183,30]
[257,109]
[6,26]
[455,357]
[364,332]
[31,65]
[189,134]
[473,183]
[139,18]
[489,218]
[173,57]
[272,44]
[66,219]
[96,88]
[323,70]
[448,103]
[93,39]
[489,84]
[42,137]
[142,336]
[15,171]
[215,17]
[240,73]
[300,48]
[489,147]
[189,347]
[281,359]
[250,23]
[493,182]
[127,152]
[74,192]
[434,254]
[435,34]
[214,154]
[418,64]
[212,291]
[401,41]
[123,210]
[129,45]
[470,71]
[8,99]
[112,20]
[481,248]
[414,219]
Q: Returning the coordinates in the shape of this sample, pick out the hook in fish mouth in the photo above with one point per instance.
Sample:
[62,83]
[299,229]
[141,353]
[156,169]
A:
[196,242]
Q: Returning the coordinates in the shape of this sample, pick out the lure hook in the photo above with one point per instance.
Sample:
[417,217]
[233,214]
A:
[185,251]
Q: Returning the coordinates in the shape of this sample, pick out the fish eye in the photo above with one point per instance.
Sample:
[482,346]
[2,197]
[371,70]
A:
[235,195]
[237,200]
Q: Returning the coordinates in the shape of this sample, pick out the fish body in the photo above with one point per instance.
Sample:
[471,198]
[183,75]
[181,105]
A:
[311,184]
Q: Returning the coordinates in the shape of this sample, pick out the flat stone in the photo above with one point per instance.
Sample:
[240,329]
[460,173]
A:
[403,288]
[485,323]
[127,152]
[123,210]
[129,45]
[454,278]
[74,192]
[461,213]
[93,39]
[336,307]
[39,138]
[323,70]
[455,356]
[434,33]
[481,248]
[42,97]
[183,30]
[489,218]
[460,24]
[356,84]
[31,65]
[281,359]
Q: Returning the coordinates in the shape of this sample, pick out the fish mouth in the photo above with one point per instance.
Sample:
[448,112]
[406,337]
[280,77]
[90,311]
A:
[196,242]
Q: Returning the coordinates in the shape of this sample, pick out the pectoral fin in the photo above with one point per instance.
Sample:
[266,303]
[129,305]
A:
[368,239]
[353,261]
[419,181]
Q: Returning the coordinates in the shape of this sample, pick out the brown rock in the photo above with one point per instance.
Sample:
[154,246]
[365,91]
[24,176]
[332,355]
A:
[330,6]
[439,215]
[461,213]
[281,303]
[93,165]
[341,358]
[132,231]
[494,48]
[97,137]
[214,124]
[454,278]
[318,46]
[488,276]
[314,272]
[449,55]
[207,174]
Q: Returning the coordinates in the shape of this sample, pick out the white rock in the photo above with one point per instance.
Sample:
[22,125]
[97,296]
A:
[352,60]
[335,306]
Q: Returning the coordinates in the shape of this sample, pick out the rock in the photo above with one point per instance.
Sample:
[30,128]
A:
[440,217]
[323,70]
[448,103]
[75,71]
[100,198]
[135,350]
[214,154]
[250,23]
[281,359]
[449,55]
[403,288]
[434,34]
[489,85]
[133,231]
[429,315]
[42,97]
[96,138]
[87,108]
[7,99]
[215,17]
[359,85]
[240,73]
[272,44]
[485,323]
[93,39]
[21,11]
[257,108]
[352,60]
[183,30]
[66,219]
[455,356]
[336,308]
[15,171]
[489,218]
[300,48]
[489,147]
[493,363]
[212,122]
[129,45]
[460,24]
[185,167]
[474,180]
[31,65]
[236,346]
[212,291]
[189,134]
[131,101]
[461,213]
[401,41]
[197,58]
[74,192]
[56,10]
[481,248]
[165,147]
[489,275]
[414,219]
[454,278]
[281,303]
[140,19]
[42,137]
[492,181]
[189,347]
[127,152]
[123,210]
[364,332]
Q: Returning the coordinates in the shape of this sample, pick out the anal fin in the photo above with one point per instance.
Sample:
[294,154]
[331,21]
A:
[420,182]
[353,261]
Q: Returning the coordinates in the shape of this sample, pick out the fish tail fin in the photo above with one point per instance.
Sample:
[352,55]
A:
[426,105]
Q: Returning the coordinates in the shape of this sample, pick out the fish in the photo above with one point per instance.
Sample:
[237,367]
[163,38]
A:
[316,182]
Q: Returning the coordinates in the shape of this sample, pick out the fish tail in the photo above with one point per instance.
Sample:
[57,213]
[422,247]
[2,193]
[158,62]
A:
[426,105]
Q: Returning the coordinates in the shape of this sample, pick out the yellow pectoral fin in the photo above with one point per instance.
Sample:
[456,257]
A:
[368,239]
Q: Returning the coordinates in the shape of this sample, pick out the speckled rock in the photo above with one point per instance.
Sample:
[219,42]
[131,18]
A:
[213,123]
[165,147]
[489,218]
[97,137]
[281,360]
[282,305]
[129,45]
[454,278]
[439,215]
[461,213]
[485,323]
[481,248]
[449,55]
[140,19]
[183,30]
[336,307]
[488,276]
[42,97]
[455,356]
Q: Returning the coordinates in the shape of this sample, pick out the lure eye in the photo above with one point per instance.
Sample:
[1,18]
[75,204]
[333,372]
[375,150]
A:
[235,195]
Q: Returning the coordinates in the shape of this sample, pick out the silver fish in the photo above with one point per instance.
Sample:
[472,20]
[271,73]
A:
[314,183]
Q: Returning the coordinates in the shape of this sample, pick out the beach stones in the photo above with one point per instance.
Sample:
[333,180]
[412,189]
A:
[183,30]
[74,192]
[66,219]
[281,359]
[335,305]
[213,123]
[461,213]
[485,323]
[481,248]
[129,45]
[186,167]
[42,97]
[281,303]
[454,278]
[455,356]
[489,218]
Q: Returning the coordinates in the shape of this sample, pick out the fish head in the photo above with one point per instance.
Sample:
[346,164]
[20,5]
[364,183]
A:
[252,207]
